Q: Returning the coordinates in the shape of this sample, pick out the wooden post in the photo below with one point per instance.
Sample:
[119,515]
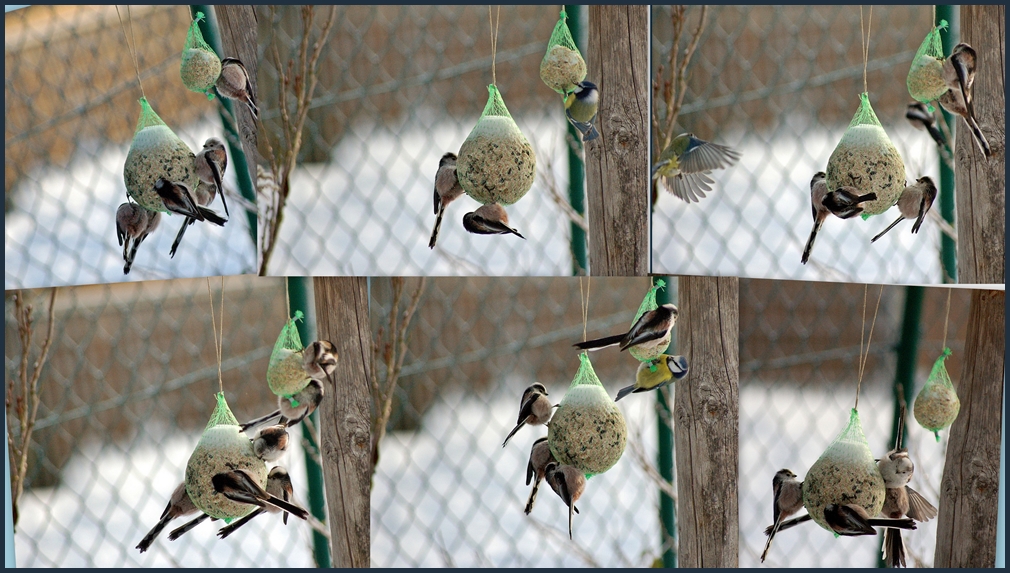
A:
[966,530]
[981,180]
[237,25]
[706,423]
[345,442]
[617,163]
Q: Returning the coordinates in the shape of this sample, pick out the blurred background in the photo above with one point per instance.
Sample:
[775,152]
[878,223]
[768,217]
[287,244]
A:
[780,84]
[70,110]
[126,391]
[445,493]
[398,87]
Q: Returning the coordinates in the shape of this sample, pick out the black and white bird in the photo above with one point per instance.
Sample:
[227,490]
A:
[650,329]
[535,409]
[914,202]
[279,486]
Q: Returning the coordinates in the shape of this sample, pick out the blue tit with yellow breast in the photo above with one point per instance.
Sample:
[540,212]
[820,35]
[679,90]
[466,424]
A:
[656,374]
[685,165]
[581,105]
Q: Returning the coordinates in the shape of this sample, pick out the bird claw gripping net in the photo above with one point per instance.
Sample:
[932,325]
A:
[937,405]
[286,375]
[200,65]
[866,159]
[652,351]
[588,430]
[845,473]
[496,163]
[156,152]
[222,448]
[925,77]
[563,66]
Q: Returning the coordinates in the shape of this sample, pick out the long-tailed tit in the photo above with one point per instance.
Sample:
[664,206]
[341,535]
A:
[319,359]
[920,117]
[447,190]
[569,483]
[178,199]
[818,190]
[535,409]
[211,163]
[179,505]
[133,224]
[788,499]
[913,203]
[581,106]
[271,443]
[667,369]
[279,486]
[654,327]
[238,485]
[853,520]
[189,526]
[685,165]
[536,469]
[233,83]
[959,75]
[294,410]
[846,202]
[489,219]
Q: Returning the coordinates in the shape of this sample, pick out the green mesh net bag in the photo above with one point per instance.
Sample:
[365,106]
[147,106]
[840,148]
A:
[496,162]
[200,65]
[222,448]
[937,405]
[653,349]
[866,159]
[156,153]
[562,67]
[845,473]
[925,77]
[587,430]
[285,374]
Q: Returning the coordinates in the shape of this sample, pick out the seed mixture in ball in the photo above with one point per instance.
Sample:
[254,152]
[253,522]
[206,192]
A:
[866,159]
[562,69]
[587,430]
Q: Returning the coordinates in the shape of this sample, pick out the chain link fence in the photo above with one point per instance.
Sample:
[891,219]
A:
[126,392]
[70,110]
[780,84]
[799,348]
[398,87]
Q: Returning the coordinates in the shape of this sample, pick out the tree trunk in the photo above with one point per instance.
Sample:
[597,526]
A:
[969,492]
[617,163]
[342,318]
[706,423]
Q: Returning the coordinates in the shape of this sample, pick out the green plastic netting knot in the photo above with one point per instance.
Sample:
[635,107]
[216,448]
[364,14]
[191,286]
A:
[200,66]
[286,375]
[925,76]
[653,350]
[937,405]
[222,415]
[563,66]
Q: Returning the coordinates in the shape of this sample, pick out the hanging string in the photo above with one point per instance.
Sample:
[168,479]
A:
[869,338]
[218,339]
[865,42]
[287,299]
[494,40]
[946,321]
[584,297]
[133,50]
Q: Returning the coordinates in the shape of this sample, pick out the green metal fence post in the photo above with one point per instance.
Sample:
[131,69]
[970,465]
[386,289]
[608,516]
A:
[664,458]
[299,297]
[948,250]
[576,169]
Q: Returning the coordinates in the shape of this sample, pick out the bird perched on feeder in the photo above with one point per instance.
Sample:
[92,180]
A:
[686,163]
[656,374]
[959,75]
[134,223]
[534,409]
[238,485]
[279,486]
[271,442]
[234,83]
[844,203]
[536,469]
[913,203]
[447,190]
[853,520]
[211,163]
[293,410]
[489,219]
[569,483]
[179,505]
[920,117]
[581,105]
[650,330]
[788,499]
[178,199]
